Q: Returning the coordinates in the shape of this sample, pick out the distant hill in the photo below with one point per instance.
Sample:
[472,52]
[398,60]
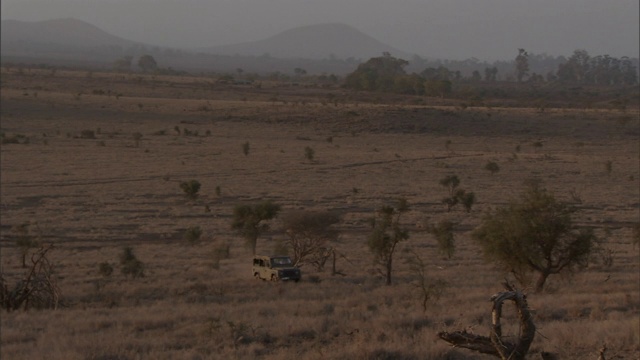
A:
[322,41]
[72,42]
[63,32]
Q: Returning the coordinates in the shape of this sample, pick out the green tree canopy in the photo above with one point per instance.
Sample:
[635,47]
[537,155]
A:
[535,234]
[377,74]
[248,220]
[387,233]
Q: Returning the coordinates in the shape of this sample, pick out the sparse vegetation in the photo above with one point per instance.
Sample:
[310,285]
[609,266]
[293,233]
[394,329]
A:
[130,265]
[309,153]
[443,233]
[190,188]
[192,234]
[456,195]
[95,201]
[429,290]
[492,167]
[25,240]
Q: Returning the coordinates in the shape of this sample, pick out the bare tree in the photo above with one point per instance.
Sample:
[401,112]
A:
[37,289]
[309,235]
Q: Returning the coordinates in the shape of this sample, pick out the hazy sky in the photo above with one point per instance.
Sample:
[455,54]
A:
[455,29]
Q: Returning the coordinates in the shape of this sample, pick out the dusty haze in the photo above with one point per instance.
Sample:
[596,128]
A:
[455,29]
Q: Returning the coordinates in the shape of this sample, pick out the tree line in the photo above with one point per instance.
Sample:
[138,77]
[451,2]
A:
[388,74]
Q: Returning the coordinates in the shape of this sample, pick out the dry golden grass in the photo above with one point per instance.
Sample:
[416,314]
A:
[92,197]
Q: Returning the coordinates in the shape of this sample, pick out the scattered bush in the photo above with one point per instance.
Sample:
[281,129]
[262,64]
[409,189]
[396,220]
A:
[456,196]
[492,167]
[87,134]
[221,251]
[428,289]
[137,137]
[443,232]
[130,265]
[608,167]
[15,139]
[190,188]
[105,269]
[24,240]
[245,148]
[192,234]
[309,153]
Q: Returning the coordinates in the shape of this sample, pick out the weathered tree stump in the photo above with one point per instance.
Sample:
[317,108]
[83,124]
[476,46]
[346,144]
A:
[495,344]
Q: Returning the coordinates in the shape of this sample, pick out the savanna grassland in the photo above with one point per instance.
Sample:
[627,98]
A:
[94,162]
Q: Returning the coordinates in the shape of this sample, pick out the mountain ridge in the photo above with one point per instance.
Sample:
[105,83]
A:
[316,42]
[319,41]
[65,32]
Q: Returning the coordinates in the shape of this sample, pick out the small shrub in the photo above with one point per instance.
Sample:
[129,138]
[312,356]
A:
[218,190]
[428,289]
[608,167]
[245,148]
[137,137]
[130,265]
[220,252]
[192,234]
[443,232]
[190,188]
[309,153]
[467,199]
[87,134]
[105,269]
[492,167]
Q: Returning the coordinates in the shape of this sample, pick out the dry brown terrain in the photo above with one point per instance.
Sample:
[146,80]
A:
[92,197]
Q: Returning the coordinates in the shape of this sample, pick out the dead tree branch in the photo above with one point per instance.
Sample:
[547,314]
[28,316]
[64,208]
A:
[495,344]
[37,289]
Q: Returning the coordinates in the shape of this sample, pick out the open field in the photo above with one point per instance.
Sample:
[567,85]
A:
[90,186]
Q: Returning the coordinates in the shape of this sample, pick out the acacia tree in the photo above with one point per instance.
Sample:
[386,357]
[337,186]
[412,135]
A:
[377,74]
[248,220]
[147,63]
[387,234]
[535,234]
[309,234]
[522,64]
